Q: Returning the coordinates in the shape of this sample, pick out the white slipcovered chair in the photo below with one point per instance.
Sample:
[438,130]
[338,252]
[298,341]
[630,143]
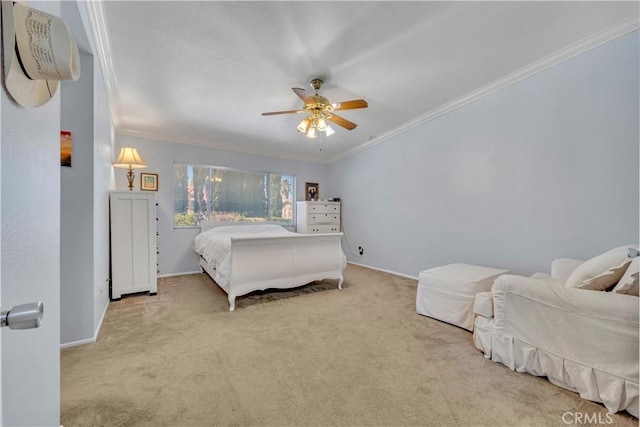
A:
[583,340]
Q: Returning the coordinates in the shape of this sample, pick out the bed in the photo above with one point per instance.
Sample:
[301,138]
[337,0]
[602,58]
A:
[247,258]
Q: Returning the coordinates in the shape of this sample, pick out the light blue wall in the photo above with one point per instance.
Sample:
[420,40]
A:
[176,246]
[76,206]
[545,168]
[84,204]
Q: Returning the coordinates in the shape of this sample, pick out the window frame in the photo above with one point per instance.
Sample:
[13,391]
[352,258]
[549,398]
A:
[292,225]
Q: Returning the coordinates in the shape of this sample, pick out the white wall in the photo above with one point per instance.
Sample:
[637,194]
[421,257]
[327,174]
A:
[30,145]
[545,168]
[103,181]
[176,246]
[2,95]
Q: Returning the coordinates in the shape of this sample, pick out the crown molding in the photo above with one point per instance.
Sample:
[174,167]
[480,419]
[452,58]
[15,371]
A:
[94,12]
[549,61]
[225,147]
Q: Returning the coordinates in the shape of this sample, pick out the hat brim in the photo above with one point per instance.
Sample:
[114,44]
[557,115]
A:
[26,92]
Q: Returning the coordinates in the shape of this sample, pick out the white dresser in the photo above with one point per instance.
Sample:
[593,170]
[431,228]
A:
[133,243]
[318,217]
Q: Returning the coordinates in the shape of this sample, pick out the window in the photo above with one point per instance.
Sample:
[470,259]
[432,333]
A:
[207,193]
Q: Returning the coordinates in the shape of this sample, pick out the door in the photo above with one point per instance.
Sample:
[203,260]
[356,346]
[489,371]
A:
[30,255]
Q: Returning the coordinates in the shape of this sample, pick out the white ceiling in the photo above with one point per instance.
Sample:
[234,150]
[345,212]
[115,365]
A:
[202,72]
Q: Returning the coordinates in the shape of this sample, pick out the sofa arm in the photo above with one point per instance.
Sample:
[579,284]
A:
[598,329]
[483,304]
[576,302]
[562,268]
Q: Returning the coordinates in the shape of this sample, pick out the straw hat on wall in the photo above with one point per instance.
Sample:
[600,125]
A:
[38,52]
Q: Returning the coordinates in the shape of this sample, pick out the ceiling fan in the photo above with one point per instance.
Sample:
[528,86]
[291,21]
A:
[320,110]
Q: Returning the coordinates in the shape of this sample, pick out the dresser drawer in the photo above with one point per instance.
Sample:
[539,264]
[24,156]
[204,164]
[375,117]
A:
[324,208]
[324,218]
[324,228]
[317,217]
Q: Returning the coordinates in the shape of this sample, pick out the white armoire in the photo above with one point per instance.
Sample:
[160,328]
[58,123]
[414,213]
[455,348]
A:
[133,243]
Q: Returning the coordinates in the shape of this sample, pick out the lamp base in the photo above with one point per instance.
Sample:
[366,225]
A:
[130,176]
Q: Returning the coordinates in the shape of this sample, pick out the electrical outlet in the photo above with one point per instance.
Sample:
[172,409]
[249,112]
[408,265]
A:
[361,250]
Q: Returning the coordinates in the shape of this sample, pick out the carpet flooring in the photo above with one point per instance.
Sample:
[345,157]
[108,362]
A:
[313,356]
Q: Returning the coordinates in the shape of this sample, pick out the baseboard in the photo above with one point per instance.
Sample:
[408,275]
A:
[160,276]
[94,338]
[104,313]
[395,273]
[77,343]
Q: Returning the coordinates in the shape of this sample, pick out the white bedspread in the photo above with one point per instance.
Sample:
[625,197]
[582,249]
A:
[214,245]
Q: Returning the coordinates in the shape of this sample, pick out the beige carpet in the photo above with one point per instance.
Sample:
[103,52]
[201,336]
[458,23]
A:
[313,356]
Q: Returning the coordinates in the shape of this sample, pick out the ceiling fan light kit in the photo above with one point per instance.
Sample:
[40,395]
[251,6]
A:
[312,125]
[319,110]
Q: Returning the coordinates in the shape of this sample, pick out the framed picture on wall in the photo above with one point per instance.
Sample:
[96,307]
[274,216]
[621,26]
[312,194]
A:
[149,181]
[66,148]
[311,191]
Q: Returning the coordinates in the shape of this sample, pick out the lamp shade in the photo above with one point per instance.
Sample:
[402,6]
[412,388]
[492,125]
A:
[129,159]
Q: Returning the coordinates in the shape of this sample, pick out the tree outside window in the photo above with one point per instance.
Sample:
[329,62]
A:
[206,193]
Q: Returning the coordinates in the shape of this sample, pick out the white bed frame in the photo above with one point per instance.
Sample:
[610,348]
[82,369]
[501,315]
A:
[259,263]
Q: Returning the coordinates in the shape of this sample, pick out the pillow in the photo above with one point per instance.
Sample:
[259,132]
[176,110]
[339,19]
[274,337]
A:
[629,282]
[599,265]
[607,278]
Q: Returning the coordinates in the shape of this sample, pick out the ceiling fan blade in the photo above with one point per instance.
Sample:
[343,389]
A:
[342,122]
[273,113]
[302,94]
[350,105]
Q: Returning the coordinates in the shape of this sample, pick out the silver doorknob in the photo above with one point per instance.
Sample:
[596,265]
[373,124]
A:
[24,316]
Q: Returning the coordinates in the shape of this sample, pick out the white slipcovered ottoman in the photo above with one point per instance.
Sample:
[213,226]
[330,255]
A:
[447,293]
